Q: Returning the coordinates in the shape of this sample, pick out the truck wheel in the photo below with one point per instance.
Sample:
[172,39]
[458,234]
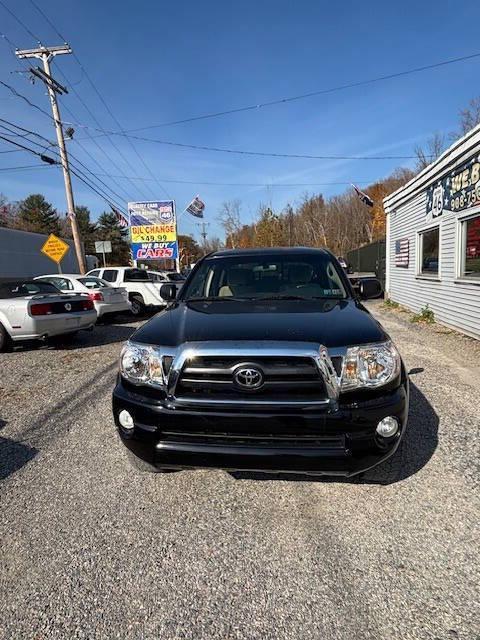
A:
[145,467]
[138,306]
[4,339]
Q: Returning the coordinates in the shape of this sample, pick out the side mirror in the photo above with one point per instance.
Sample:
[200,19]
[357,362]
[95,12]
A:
[168,292]
[370,288]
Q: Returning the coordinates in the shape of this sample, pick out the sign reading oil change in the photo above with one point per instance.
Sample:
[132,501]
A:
[154,233]
[55,248]
[153,229]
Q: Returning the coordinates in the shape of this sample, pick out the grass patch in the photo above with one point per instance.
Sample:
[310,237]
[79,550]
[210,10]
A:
[425,315]
[390,304]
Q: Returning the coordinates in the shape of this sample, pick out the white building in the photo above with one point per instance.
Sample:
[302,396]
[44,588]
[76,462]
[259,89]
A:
[433,238]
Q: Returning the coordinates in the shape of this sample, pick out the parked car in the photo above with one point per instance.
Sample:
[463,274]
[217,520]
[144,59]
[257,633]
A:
[107,300]
[166,277]
[142,292]
[267,360]
[32,309]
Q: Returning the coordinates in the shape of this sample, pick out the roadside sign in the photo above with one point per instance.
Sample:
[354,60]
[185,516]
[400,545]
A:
[55,248]
[104,246]
[153,229]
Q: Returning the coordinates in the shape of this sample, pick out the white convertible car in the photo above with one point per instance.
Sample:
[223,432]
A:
[107,299]
[31,310]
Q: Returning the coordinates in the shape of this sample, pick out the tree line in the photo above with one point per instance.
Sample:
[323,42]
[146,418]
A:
[341,222]
[37,215]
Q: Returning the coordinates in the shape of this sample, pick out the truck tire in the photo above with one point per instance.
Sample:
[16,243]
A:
[144,467]
[4,339]
[138,305]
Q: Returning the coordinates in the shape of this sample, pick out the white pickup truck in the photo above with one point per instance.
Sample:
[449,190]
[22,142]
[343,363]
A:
[142,292]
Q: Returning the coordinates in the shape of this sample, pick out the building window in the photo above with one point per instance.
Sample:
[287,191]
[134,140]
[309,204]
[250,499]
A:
[429,250]
[470,265]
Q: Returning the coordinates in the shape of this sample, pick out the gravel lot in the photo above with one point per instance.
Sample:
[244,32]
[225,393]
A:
[90,550]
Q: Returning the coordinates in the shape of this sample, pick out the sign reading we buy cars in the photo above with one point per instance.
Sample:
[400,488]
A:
[153,229]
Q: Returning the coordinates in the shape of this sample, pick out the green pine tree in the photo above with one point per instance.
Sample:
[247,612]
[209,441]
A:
[88,230]
[37,215]
[109,229]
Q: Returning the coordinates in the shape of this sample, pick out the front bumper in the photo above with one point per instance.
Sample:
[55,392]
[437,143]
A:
[341,442]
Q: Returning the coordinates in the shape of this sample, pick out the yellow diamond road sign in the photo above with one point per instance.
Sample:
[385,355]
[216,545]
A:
[55,248]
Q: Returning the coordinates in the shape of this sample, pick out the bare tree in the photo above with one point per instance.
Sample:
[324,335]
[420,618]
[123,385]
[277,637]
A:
[229,218]
[212,244]
[469,117]
[435,147]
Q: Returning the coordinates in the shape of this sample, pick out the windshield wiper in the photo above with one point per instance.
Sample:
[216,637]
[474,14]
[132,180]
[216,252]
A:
[216,299]
[297,298]
[281,298]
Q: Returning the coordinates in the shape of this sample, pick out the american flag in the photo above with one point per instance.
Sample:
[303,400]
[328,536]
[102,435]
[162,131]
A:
[121,219]
[363,197]
[402,252]
[196,207]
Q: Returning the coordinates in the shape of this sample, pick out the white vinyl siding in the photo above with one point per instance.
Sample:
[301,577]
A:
[455,302]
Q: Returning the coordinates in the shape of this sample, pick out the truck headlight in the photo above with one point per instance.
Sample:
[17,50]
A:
[370,365]
[145,364]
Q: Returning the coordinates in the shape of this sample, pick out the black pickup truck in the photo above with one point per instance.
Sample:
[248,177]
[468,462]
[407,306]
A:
[266,361]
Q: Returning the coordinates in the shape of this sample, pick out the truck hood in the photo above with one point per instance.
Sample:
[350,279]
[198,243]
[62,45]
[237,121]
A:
[333,323]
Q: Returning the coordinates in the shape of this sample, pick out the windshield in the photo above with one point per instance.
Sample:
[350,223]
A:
[20,288]
[93,283]
[175,277]
[293,276]
[136,275]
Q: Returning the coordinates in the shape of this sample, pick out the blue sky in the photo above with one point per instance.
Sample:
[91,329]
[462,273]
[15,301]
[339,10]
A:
[155,62]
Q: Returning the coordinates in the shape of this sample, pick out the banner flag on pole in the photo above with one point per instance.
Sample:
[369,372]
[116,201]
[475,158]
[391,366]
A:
[122,220]
[196,207]
[363,197]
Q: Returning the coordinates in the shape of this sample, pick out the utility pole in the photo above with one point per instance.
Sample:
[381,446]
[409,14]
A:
[203,233]
[45,54]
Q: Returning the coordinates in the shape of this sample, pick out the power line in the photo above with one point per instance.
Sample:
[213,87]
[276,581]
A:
[30,103]
[42,13]
[95,119]
[21,146]
[22,24]
[74,163]
[254,184]
[17,94]
[27,166]
[104,153]
[254,107]
[201,147]
[257,153]
[93,188]
[22,97]
[100,96]
[12,133]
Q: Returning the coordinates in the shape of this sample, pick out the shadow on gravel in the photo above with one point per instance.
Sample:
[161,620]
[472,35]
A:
[13,455]
[417,447]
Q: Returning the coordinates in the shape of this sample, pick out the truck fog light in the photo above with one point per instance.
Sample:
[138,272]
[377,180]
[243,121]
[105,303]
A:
[387,427]
[125,419]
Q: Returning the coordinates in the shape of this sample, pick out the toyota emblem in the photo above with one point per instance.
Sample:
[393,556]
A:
[68,306]
[248,377]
